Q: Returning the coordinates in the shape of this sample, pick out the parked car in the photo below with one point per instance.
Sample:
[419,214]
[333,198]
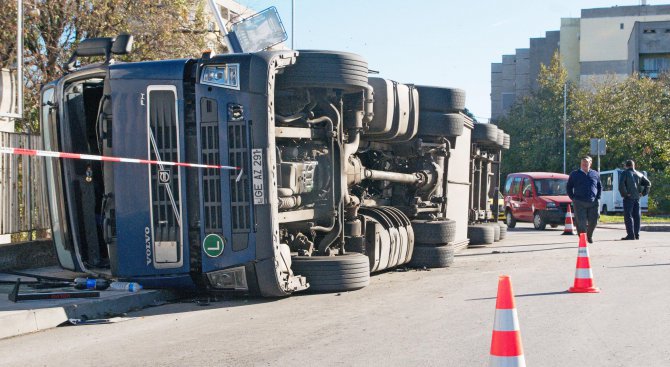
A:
[537,197]
[611,200]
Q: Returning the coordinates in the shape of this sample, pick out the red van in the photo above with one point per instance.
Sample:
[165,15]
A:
[538,197]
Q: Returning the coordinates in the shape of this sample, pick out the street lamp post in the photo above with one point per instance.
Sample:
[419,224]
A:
[565,120]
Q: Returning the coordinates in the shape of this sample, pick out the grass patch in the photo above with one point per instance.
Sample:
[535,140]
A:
[645,219]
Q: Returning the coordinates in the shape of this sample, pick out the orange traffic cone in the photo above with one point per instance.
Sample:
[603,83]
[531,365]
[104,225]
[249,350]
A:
[506,348]
[569,228]
[583,275]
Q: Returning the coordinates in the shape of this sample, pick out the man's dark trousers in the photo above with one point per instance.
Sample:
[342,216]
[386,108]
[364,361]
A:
[631,216]
[586,216]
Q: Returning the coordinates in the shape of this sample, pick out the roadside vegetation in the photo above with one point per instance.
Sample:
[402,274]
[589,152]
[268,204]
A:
[633,115]
[644,220]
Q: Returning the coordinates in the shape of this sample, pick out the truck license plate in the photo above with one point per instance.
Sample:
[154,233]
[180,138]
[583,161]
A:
[257,174]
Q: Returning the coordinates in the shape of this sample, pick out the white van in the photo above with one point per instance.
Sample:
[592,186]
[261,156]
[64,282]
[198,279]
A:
[610,200]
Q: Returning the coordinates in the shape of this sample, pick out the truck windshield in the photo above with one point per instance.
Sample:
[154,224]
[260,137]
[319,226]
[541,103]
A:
[550,187]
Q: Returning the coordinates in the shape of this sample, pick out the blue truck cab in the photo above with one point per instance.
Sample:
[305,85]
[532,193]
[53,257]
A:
[330,175]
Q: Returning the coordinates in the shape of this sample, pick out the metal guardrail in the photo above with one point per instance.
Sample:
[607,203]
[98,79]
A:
[23,197]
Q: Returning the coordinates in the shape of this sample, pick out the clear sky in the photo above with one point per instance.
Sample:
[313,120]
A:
[430,42]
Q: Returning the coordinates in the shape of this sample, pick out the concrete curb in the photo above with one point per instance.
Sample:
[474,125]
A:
[20,322]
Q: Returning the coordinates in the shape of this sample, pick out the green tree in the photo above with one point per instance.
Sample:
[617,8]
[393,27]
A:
[535,124]
[52,29]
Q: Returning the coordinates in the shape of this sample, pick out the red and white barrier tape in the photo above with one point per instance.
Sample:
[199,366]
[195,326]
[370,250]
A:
[47,153]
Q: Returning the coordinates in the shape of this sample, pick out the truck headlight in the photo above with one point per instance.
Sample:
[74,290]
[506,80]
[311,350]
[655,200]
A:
[231,279]
[226,75]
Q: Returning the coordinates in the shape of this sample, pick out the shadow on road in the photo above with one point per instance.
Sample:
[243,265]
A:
[522,295]
[637,266]
[540,244]
[494,252]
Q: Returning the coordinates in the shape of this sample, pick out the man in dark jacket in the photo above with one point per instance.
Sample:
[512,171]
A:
[584,189]
[632,186]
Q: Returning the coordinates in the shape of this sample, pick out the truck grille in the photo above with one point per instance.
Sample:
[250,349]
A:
[240,205]
[211,178]
[165,195]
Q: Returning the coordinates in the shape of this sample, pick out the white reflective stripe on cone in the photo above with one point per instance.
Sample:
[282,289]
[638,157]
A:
[584,274]
[517,361]
[506,320]
[583,252]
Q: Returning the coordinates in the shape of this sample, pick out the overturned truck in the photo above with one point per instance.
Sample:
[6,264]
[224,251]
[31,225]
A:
[337,175]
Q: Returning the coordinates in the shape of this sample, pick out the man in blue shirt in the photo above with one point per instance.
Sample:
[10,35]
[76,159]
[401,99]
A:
[584,189]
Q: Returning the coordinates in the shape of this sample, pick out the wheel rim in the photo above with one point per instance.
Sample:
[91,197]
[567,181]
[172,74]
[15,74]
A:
[509,217]
[537,220]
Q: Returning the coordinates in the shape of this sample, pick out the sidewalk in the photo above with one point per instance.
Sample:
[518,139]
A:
[656,227]
[34,315]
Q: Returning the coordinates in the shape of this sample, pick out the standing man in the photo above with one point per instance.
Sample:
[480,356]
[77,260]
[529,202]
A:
[632,186]
[584,189]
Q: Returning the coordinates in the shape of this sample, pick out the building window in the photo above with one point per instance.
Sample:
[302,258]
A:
[649,31]
[652,65]
[621,26]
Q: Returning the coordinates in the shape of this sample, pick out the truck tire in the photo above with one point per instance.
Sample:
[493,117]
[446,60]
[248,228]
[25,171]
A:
[538,222]
[325,69]
[485,134]
[496,231]
[480,235]
[333,273]
[437,124]
[500,141]
[509,219]
[440,99]
[432,257]
[432,233]
[503,231]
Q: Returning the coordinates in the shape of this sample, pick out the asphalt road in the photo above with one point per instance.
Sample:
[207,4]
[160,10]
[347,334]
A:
[413,318]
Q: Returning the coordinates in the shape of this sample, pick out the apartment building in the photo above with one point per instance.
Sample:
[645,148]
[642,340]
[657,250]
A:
[603,43]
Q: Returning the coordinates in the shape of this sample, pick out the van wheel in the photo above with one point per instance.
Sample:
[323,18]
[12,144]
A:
[538,222]
[333,273]
[604,211]
[509,219]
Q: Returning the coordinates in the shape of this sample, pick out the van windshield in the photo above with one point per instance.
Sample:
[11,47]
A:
[551,186]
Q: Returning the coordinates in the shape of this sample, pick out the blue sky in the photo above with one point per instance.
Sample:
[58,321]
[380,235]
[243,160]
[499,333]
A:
[430,42]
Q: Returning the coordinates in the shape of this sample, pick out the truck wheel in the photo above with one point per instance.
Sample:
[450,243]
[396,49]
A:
[432,257]
[325,69]
[503,230]
[436,124]
[485,134]
[500,141]
[333,273]
[506,141]
[604,211]
[496,231]
[432,233]
[440,99]
[538,222]
[509,219]
[481,235]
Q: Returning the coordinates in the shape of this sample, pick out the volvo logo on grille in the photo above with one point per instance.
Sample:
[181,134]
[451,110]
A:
[164,176]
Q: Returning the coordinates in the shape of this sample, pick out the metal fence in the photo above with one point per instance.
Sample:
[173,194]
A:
[23,198]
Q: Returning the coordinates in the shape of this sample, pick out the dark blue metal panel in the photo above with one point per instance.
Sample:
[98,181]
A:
[149,70]
[132,191]
[254,107]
